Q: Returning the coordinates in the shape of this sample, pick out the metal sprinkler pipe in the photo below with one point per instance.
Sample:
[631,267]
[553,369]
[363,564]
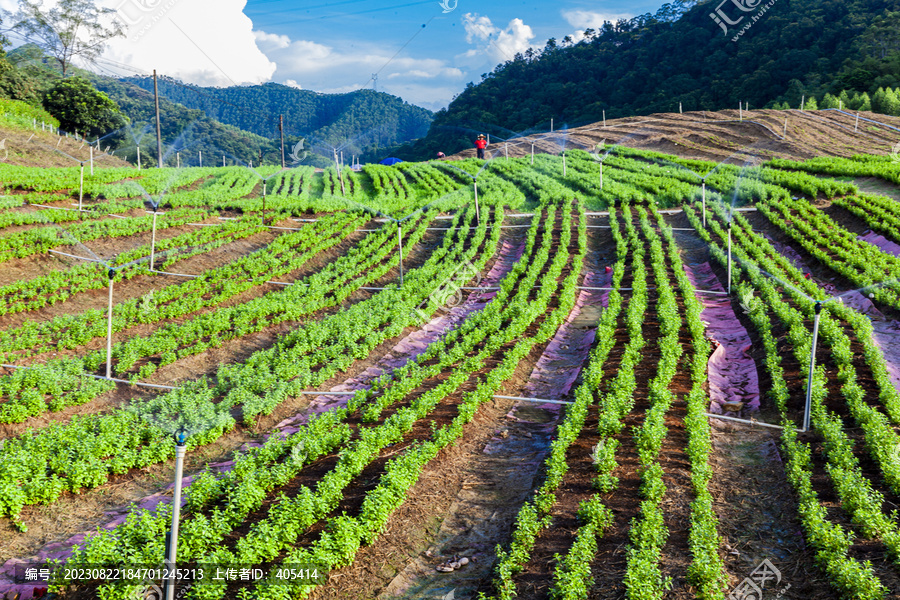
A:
[153,240]
[729,257]
[180,450]
[400,247]
[532,153]
[601,174]
[564,164]
[704,202]
[81,187]
[812,367]
[477,212]
[111,273]
[92,160]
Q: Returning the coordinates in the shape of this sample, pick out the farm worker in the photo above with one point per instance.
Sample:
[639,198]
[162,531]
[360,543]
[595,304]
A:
[441,155]
[481,144]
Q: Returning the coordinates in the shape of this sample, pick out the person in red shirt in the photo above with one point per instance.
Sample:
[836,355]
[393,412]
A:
[481,144]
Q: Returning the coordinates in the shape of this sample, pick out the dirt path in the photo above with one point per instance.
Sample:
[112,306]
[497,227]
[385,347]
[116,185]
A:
[498,480]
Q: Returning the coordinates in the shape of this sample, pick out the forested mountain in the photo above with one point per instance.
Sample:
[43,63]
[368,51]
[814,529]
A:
[239,123]
[367,122]
[680,54]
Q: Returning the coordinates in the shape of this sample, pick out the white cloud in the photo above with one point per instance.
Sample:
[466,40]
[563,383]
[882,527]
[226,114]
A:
[498,44]
[181,38]
[339,69]
[585,19]
[188,40]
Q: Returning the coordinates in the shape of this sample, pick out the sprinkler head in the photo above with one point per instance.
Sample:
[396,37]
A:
[818,306]
[111,273]
[180,437]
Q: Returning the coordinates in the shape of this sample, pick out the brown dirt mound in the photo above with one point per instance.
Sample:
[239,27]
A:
[719,135]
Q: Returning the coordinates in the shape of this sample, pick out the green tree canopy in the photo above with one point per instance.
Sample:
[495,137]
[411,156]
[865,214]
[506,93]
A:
[81,108]
[71,29]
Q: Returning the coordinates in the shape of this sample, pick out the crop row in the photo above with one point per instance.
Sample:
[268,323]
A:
[832,543]
[307,356]
[286,515]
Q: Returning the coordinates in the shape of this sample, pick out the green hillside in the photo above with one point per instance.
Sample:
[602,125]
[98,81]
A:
[363,122]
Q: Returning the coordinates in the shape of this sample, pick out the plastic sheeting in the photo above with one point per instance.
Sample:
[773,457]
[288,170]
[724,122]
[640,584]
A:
[732,371]
[880,242]
[560,364]
[404,351]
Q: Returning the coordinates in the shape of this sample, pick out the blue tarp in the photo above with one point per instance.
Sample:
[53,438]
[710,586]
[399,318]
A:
[390,161]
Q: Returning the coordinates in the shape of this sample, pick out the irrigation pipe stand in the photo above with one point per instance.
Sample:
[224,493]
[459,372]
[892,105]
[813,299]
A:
[807,413]
[729,258]
[171,558]
[703,187]
[153,240]
[111,273]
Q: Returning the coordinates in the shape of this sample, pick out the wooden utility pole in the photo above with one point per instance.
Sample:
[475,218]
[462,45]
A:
[281,129]
[159,155]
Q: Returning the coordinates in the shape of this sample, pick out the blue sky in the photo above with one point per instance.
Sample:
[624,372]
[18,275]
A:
[335,46]
[434,62]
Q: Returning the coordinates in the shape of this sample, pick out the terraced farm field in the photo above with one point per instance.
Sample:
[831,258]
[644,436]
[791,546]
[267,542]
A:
[390,387]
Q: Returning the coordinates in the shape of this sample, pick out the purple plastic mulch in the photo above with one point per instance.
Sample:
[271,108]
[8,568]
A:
[558,368]
[732,371]
[405,350]
[881,242]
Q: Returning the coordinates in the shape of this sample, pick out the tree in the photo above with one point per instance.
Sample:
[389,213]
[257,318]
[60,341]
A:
[811,104]
[81,108]
[844,100]
[72,29]
[878,100]
[891,104]
[829,101]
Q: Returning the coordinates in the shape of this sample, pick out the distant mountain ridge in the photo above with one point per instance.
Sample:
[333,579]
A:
[362,122]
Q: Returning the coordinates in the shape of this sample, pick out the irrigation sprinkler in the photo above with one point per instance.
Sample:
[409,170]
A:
[139,158]
[172,554]
[784,135]
[856,127]
[200,157]
[92,160]
[223,160]
[604,119]
[812,367]
[802,102]
[178,160]
[680,111]
[564,162]
[506,149]
[741,110]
